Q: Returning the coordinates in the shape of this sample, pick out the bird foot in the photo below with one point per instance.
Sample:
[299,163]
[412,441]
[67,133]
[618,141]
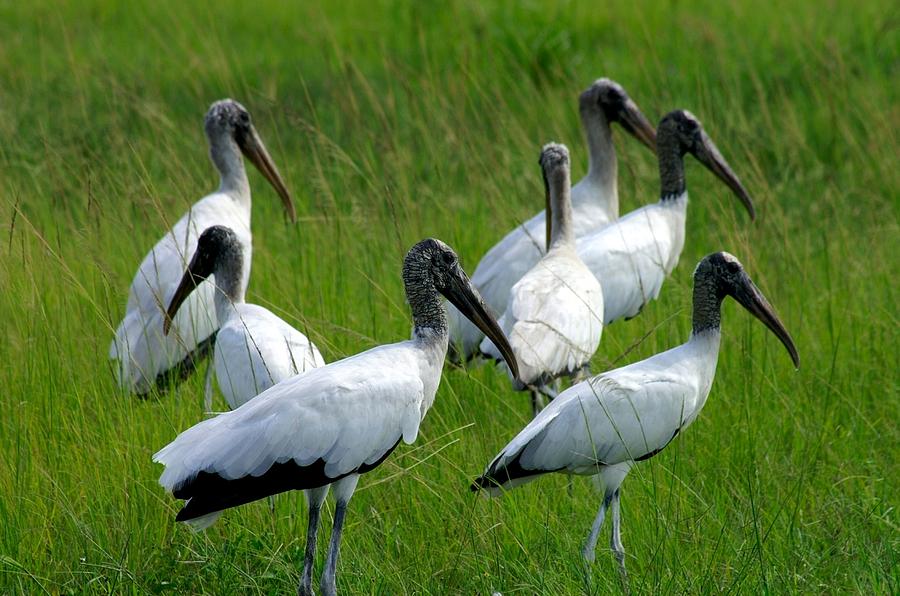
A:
[588,555]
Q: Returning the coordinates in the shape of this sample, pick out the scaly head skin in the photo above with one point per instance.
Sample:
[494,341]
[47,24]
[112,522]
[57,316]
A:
[719,275]
[431,267]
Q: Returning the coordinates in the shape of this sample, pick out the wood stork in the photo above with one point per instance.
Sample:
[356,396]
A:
[147,357]
[554,315]
[595,203]
[254,348]
[327,426]
[633,256]
[606,424]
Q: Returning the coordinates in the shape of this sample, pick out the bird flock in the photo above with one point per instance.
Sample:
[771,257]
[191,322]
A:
[299,423]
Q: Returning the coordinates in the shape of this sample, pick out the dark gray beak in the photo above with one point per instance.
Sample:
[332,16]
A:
[753,300]
[708,154]
[198,270]
[463,295]
[633,120]
[254,149]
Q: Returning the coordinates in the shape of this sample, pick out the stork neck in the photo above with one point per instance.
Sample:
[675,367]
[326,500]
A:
[671,166]
[230,289]
[707,315]
[561,232]
[429,317]
[603,166]
[226,156]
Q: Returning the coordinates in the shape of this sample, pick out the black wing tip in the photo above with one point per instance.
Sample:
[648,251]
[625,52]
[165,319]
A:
[208,492]
[185,514]
[484,482]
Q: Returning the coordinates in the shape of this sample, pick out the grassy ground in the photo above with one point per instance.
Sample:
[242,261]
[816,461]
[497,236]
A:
[391,124]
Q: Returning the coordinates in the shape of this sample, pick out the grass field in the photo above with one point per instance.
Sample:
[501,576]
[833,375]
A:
[391,124]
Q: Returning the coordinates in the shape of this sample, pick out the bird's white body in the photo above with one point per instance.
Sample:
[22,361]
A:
[255,349]
[350,414]
[633,256]
[553,318]
[606,423]
[594,205]
[141,348]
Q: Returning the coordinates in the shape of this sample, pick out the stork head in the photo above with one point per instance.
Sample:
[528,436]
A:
[218,250]
[680,132]
[228,118]
[430,265]
[724,275]
[609,97]
[554,163]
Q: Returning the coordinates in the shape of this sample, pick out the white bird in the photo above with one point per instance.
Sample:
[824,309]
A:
[554,315]
[604,425]
[146,357]
[254,348]
[595,203]
[633,256]
[327,426]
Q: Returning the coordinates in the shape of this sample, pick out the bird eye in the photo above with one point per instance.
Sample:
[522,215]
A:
[733,267]
[447,258]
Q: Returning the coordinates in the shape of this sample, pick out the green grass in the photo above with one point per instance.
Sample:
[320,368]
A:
[391,124]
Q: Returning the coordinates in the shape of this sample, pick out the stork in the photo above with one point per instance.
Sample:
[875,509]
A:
[330,425]
[595,203]
[146,356]
[605,425]
[554,315]
[633,256]
[254,348]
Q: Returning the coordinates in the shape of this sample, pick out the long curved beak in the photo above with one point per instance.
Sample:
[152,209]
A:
[193,276]
[709,155]
[753,300]
[463,295]
[254,149]
[633,120]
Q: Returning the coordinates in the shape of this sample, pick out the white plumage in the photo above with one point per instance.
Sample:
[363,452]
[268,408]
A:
[604,425]
[141,348]
[348,414]
[616,417]
[595,203]
[329,425]
[633,256]
[554,314]
[254,348]
[553,319]
[144,354]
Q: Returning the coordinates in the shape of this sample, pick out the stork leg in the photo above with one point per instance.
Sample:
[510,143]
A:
[537,402]
[538,392]
[343,491]
[207,383]
[591,544]
[615,542]
[550,393]
[314,497]
[582,373]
